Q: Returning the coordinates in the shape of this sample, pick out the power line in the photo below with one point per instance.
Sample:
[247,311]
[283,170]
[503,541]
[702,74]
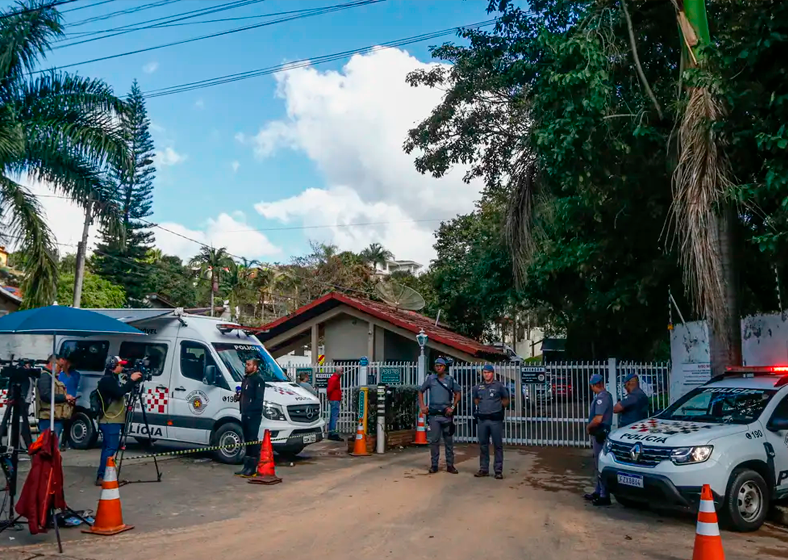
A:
[307,62]
[117,13]
[88,6]
[55,4]
[340,7]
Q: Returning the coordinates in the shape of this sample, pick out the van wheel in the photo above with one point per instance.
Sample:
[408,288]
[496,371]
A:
[83,433]
[746,501]
[230,438]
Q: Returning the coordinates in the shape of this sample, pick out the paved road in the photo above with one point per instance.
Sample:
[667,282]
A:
[331,506]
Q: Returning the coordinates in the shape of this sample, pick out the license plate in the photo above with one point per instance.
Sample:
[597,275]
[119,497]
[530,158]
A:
[310,438]
[634,480]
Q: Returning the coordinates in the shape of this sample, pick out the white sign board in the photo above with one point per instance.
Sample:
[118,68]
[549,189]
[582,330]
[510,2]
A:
[686,377]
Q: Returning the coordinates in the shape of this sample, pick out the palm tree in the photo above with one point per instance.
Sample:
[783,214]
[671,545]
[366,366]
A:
[56,128]
[209,263]
[704,213]
[375,255]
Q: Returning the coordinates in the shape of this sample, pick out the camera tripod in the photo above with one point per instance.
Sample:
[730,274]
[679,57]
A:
[9,460]
[137,397]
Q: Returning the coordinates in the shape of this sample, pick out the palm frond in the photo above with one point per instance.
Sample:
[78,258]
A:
[24,221]
[25,37]
[518,227]
[701,184]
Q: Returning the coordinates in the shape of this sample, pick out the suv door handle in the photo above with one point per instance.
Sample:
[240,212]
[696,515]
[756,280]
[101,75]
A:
[179,389]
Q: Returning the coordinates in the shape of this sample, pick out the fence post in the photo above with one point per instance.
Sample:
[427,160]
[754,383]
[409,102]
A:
[380,442]
[612,386]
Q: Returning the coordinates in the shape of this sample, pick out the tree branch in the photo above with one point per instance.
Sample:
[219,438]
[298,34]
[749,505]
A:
[638,66]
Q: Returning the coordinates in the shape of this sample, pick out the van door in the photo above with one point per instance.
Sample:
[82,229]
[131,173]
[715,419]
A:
[195,403]
[779,442]
[155,393]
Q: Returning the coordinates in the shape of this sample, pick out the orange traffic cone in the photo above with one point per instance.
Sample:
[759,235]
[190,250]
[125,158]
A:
[109,517]
[266,469]
[421,432]
[708,544]
[360,446]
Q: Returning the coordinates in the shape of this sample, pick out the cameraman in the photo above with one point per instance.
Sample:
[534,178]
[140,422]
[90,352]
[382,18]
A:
[64,403]
[113,409]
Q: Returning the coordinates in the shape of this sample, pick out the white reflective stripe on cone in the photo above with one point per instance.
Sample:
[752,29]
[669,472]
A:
[707,506]
[111,475]
[110,494]
[708,529]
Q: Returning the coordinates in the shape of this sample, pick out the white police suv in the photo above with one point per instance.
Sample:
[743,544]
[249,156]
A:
[731,433]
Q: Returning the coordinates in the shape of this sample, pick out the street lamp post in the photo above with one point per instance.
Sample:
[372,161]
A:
[422,339]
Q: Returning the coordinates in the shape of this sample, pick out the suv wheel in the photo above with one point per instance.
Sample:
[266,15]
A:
[746,501]
[230,437]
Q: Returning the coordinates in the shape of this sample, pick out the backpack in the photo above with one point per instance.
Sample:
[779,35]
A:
[96,403]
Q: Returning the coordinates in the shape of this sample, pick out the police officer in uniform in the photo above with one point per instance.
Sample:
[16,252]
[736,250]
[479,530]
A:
[251,400]
[634,406]
[490,397]
[600,420]
[444,396]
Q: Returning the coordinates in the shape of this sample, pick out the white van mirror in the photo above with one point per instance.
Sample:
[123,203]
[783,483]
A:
[210,375]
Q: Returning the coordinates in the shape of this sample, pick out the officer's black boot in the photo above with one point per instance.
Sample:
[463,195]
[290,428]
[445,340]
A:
[243,468]
[248,468]
[252,468]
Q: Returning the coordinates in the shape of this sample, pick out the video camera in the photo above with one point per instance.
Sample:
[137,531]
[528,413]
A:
[141,365]
[21,370]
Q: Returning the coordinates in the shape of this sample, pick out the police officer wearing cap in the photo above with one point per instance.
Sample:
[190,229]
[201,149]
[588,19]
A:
[113,409]
[634,406]
[444,396]
[600,420]
[490,397]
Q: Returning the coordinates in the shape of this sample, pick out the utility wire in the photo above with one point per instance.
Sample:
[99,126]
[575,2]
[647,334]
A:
[118,13]
[36,9]
[307,62]
[161,21]
[88,6]
[219,34]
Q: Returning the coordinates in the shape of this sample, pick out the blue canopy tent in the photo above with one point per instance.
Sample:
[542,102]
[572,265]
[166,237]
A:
[56,320]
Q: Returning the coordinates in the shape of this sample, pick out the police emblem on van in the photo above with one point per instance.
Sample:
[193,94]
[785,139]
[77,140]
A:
[197,401]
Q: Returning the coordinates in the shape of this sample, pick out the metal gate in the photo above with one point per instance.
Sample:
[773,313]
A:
[553,412]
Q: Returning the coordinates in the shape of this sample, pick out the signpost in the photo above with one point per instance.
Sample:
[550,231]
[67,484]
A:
[390,375]
[532,374]
[308,370]
[321,379]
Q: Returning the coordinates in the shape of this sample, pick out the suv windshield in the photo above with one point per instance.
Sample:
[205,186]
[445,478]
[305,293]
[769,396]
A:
[234,357]
[720,405]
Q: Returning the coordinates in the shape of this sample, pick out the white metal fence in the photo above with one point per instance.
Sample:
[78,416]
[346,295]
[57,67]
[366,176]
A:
[553,412]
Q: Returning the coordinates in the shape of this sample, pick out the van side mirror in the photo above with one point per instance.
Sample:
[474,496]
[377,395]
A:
[210,375]
[777,424]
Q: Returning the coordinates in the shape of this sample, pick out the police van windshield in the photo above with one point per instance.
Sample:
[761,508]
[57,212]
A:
[720,405]
[234,357]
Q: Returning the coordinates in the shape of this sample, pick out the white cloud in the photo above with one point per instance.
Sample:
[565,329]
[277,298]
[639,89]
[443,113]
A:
[169,156]
[150,67]
[231,232]
[199,104]
[352,124]
[235,165]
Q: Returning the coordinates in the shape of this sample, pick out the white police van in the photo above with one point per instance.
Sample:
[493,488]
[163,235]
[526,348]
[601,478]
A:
[731,433]
[196,367]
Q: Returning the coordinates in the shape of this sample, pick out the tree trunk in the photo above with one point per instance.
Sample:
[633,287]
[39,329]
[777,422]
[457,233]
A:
[725,331]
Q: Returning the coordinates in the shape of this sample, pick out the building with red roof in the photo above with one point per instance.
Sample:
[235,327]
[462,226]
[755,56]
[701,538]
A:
[351,327]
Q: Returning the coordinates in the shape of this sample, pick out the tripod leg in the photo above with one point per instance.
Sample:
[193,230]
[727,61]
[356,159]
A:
[57,529]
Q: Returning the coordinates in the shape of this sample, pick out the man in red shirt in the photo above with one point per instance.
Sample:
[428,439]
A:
[334,393]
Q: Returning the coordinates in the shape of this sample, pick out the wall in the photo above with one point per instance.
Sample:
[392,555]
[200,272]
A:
[345,338]
[400,349]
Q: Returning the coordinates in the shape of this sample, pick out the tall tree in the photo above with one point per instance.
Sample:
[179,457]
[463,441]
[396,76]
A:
[376,255]
[55,128]
[210,263]
[121,257]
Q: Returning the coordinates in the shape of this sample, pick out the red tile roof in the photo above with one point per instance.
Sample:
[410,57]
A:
[408,320]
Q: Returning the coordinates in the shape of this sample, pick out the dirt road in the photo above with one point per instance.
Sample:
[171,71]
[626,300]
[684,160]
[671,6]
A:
[334,507]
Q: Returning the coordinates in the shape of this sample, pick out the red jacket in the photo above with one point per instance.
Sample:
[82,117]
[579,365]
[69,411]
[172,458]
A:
[44,484]
[334,389]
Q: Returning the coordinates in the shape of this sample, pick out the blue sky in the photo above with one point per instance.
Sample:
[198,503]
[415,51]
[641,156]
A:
[313,148]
